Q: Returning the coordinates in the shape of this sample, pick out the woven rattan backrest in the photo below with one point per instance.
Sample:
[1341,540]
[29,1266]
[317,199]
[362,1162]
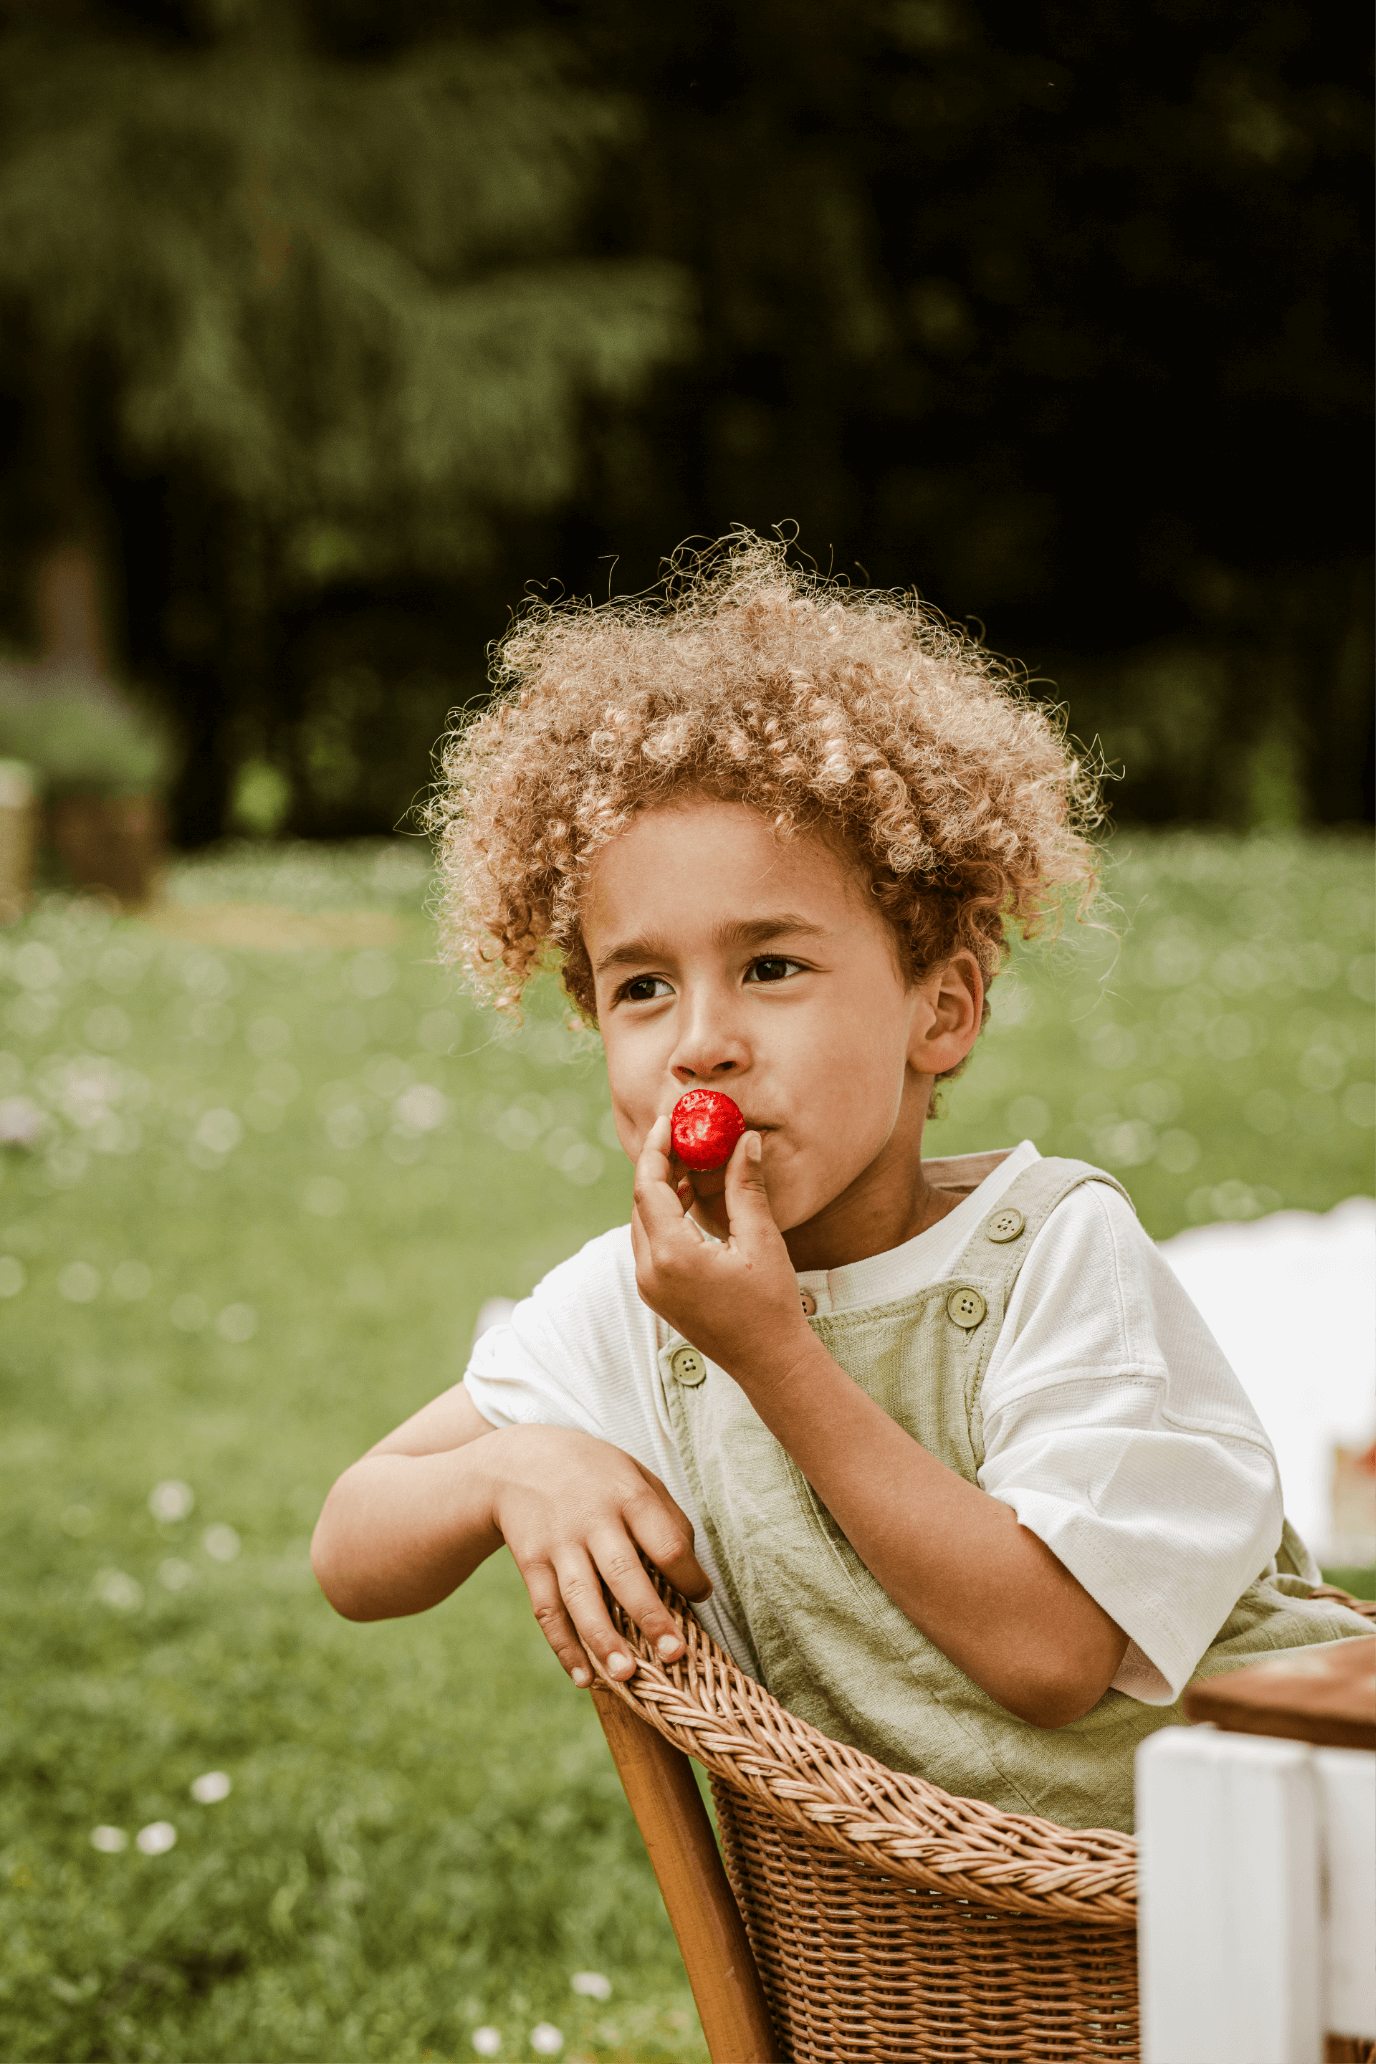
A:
[887,1919]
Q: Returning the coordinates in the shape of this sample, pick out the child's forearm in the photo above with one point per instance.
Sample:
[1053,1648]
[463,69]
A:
[955,1561]
[410,1522]
[400,1532]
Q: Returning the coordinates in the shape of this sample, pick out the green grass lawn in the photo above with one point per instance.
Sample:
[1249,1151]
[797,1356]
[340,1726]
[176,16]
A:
[265,1194]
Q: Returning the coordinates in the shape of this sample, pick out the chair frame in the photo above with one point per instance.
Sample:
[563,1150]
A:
[898,1826]
[677,1833]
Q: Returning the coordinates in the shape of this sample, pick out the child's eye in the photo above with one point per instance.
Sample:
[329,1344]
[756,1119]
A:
[772,969]
[645,988]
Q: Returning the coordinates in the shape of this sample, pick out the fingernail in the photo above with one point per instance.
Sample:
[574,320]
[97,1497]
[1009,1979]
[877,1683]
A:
[754,1146]
[619,1665]
[669,1645]
[582,1678]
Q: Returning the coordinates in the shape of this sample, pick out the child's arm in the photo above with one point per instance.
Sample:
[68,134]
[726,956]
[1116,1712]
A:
[413,1519]
[956,1561]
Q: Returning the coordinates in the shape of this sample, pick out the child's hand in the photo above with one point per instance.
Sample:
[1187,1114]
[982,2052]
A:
[736,1300]
[574,1511]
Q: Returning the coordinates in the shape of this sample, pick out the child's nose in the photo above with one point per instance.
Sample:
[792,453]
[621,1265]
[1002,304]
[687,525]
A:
[711,1048]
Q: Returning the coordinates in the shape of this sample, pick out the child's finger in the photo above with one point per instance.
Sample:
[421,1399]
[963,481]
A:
[654,1155]
[664,1531]
[748,1208]
[548,1606]
[619,1562]
[581,1588]
[656,1196]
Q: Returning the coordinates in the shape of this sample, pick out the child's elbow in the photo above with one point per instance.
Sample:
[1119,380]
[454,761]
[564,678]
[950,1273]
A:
[334,1577]
[1056,1698]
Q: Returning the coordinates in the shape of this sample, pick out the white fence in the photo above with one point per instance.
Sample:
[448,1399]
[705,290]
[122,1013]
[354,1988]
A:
[1257,1912]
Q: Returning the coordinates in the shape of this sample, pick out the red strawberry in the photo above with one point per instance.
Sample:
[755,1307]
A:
[705,1127]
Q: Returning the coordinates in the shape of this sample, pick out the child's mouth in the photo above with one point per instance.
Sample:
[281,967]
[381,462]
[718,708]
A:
[707,1183]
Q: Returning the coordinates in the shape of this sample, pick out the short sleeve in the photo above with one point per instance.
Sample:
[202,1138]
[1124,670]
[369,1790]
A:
[575,1353]
[1118,1433]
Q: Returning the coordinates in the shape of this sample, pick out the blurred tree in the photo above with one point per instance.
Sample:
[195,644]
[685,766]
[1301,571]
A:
[1059,312]
[335,308]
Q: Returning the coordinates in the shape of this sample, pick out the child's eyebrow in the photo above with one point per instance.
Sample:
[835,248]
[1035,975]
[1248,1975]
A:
[755,931]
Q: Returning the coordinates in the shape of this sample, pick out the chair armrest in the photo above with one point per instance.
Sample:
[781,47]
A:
[899,1825]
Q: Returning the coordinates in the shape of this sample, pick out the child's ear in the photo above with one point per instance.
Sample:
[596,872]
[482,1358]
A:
[948,1022]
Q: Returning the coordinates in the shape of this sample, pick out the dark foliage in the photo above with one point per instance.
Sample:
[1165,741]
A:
[1057,313]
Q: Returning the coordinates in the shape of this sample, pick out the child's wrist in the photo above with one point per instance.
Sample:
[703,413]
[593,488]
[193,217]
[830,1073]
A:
[777,1365]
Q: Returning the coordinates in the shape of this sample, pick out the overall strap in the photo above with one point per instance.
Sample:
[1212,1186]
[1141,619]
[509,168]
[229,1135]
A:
[998,1247]
[995,1252]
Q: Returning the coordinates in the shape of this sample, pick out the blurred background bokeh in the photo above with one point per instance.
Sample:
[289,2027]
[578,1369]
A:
[332,324]
[331,328]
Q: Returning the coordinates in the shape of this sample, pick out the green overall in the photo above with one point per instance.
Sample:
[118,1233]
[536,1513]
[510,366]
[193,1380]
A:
[827,1639]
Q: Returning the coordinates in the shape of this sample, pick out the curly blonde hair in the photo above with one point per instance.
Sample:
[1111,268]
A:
[860,715]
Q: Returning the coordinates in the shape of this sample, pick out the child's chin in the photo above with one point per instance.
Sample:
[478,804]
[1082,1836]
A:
[710,1212]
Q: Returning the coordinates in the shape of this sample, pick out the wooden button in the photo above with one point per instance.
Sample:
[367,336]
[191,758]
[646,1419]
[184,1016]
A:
[688,1366]
[1005,1224]
[965,1308]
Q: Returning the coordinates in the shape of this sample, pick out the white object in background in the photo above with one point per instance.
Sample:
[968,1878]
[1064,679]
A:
[1291,1300]
[1347,1805]
[1257,1897]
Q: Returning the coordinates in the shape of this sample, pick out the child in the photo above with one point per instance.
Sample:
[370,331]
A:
[940,1450]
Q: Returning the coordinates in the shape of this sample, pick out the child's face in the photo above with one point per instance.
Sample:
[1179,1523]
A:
[726,959]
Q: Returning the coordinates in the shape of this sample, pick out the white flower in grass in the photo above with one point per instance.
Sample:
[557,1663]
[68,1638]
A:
[237,1322]
[213,1786]
[79,1282]
[487,2041]
[109,1840]
[422,1107]
[22,1124]
[219,1131]
[115,1588]
[157,1838]
[592,1985]
[221,1543]
[546,2040]
[171,1499]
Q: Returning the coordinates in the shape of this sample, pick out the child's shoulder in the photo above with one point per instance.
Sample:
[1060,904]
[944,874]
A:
[1096,1210]
[603,1265]
[592,1296]
[1093,1226]
[1096,1282]
[1074,1207]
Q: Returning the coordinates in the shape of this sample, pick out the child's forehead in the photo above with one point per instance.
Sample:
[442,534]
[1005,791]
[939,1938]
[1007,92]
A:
[704,830]
[683,860]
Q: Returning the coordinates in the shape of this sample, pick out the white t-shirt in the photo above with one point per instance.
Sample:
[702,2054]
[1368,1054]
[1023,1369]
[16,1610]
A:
[1113,1425]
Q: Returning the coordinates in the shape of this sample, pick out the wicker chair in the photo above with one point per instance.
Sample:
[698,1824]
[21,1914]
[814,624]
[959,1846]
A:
[883,1919]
